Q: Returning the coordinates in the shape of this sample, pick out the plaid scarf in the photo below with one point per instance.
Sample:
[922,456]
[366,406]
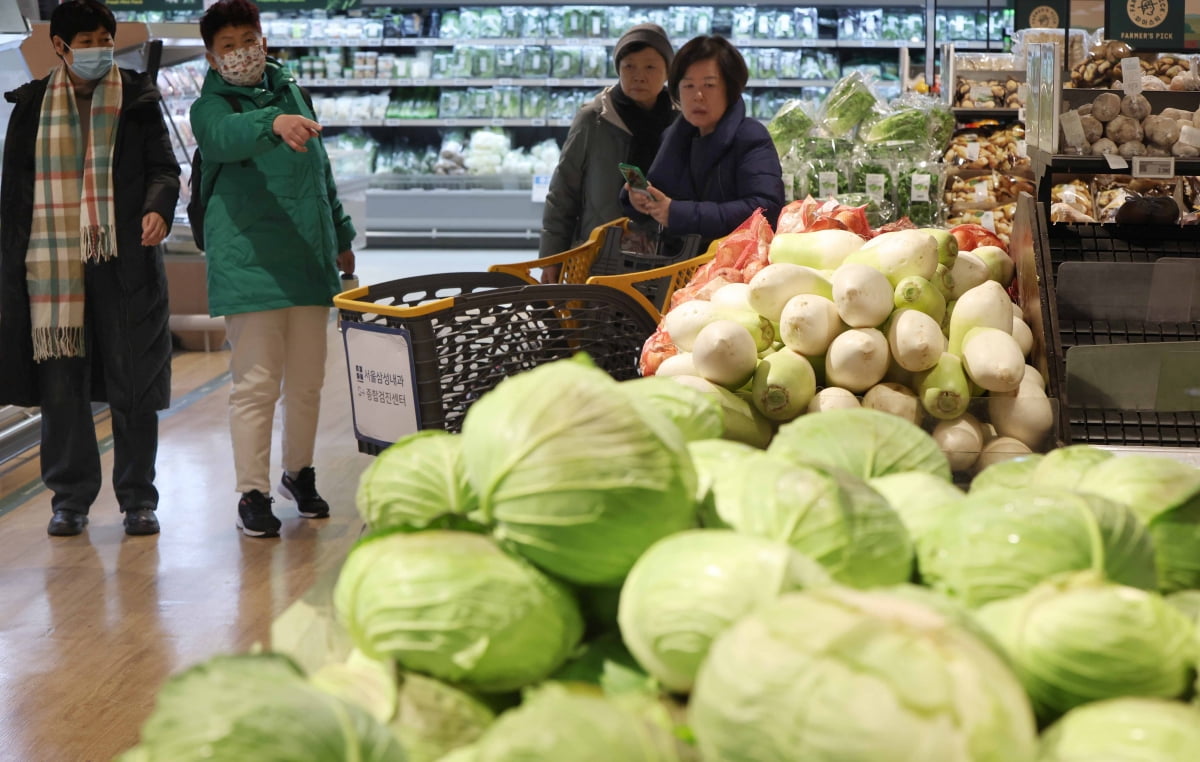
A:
[73,210]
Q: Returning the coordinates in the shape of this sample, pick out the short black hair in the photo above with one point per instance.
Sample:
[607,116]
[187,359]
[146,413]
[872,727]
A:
[76,16]
[729,62]
[228,13]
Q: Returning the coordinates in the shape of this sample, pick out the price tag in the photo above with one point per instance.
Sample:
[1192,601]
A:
[876,185]
[451,122]
[1021,114]
[1022,149]
[538,122]
[497,122]
[392,122]
[973,151]
[460,81]
[1131,75]
[988,220]
[341,83]
[541,186]
[1156,167]
[827,183]
[420,82]
[1116,161]
[982,190]
[403,82]
[355,122]
[373,82]
[505,81]
[920,186]
[589,82]
[1072,127]
[320,82]
[981,93]
[391,42]
[773,82]
[553,82]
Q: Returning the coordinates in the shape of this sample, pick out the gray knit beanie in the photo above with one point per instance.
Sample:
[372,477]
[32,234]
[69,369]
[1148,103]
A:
[647,34]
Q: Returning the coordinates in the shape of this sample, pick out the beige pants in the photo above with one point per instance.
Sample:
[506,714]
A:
[274,351]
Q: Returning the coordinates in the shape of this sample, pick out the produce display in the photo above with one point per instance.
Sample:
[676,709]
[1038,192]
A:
[1130,125]
[989,93]
[902,317]
[829,596]
[1102,69]
[1126,200]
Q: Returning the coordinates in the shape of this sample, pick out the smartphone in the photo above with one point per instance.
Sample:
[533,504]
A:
[633,175]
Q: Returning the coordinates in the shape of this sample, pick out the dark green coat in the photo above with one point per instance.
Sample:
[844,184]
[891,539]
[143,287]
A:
[273,226]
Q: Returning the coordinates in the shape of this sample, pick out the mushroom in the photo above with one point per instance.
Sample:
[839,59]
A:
[1135,106]
[1185,151]
[1176,113]
[1124,129]
[1161,130]
[1152,150]
[1103,146]
[1106,107]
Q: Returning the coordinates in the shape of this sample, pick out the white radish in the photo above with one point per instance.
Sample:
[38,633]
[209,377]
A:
[684,323]
[999,264]
[1017,311]
[993,359]
[809,323]
[1026,415]
[725,354]
[857,359]
[862,294]
[987,306]
[896,399]
[900,254]
[821,249]
[735,295]
[915,339]
[772,287]
[968,272]
[1023,334]
[783,385]
[677,365]
[1000,449]
[961,439]
[1033,376]
[833,398]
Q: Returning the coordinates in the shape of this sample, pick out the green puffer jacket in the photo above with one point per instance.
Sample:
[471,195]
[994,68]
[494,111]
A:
[273,225]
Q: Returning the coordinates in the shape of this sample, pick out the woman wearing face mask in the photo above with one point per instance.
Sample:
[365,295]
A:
[275,236]
[88,194]
[624,123]
[716,165]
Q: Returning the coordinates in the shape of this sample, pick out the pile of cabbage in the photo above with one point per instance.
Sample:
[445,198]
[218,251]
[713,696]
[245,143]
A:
[592,570]
[903,322]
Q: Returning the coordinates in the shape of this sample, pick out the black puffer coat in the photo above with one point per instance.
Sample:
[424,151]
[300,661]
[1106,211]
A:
[146,180]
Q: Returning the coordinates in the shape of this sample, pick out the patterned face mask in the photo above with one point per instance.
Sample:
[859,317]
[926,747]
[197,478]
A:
[243,67]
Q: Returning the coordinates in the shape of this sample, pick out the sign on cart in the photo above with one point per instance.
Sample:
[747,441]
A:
[383,394]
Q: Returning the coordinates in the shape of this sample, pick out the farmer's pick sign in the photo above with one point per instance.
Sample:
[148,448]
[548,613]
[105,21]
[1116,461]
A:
[1154,25]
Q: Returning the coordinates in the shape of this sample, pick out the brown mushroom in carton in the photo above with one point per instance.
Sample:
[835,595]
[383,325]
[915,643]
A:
[1135,106]
[1103,146]
[1106,107]
[1161,131]
[1185,151]
[1153,150]
[1124,129]
[1176,113]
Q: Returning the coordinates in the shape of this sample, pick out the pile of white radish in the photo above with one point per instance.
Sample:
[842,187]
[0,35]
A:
[904,323]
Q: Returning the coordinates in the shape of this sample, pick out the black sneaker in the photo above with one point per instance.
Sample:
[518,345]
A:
[254,515]
[303,490]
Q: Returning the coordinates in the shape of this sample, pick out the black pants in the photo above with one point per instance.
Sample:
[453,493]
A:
[70,455]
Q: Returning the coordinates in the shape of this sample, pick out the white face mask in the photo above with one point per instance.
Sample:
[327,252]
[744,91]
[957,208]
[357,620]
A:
[243,67]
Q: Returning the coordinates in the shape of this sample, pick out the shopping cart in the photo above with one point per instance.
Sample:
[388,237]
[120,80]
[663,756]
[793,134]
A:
[420,350]
[601,260]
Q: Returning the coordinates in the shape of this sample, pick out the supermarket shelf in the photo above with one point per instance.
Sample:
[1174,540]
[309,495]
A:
[529,82]
[449,122]
[449,42]
[971,114]
[1043,161]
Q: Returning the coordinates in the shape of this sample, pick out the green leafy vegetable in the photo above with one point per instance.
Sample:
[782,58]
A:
[836,675]
[690,587]
[1133,729]
[828,515]
[698,415]
[1078,639]
[454,606]
[581,489]
[866,443]
[848,104]
[416,483]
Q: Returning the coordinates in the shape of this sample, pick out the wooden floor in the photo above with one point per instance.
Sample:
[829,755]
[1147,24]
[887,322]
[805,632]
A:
[90,626]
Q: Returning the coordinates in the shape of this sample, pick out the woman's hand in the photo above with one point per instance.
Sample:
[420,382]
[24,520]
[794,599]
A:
[154,229]
[651,202]
[295,130]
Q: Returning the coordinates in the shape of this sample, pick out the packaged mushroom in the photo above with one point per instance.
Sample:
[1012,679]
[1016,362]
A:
[985,190]
[998,220]
[990,93]
[1077,197]
[995,148]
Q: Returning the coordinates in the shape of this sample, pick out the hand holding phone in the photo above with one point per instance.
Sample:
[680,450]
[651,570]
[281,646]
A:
[636,180]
